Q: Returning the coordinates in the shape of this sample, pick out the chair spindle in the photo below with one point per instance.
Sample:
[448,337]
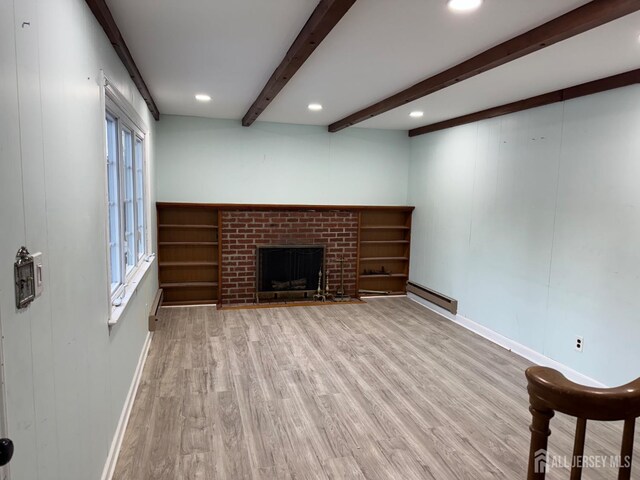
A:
[578,449]
[626,453]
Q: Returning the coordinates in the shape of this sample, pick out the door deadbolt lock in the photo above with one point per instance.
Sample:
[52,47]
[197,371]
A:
[25,278]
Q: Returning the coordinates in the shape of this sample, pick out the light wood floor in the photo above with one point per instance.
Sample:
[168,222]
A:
[382,390]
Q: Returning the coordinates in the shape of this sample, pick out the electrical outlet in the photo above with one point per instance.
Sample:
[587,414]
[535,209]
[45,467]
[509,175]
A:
[579,344]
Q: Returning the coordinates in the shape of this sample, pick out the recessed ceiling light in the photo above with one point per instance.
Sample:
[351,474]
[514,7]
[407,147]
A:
[315,107]
[416,114]
[464,5]
[201,97]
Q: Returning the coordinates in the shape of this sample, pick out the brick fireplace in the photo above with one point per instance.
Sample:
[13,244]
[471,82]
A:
[243,230]
[207,252]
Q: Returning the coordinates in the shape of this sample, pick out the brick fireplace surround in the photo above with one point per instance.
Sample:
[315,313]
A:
[243,230]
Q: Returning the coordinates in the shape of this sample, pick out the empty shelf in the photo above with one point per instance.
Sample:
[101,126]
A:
[384,275]
[381,242]
[187,243]
[208,301]
[188,284]
[384,227]
[192,226]
[379,259]
[188,264]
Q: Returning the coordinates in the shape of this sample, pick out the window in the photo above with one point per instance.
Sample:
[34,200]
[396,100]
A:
[126,187]
[139,160]
[113,177]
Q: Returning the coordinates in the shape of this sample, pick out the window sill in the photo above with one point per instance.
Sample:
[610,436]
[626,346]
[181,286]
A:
[131,290]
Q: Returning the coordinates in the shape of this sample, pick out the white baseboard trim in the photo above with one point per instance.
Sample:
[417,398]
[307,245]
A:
[507,343]
[116,443]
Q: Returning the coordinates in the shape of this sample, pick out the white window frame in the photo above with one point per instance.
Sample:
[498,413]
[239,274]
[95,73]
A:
[117,106]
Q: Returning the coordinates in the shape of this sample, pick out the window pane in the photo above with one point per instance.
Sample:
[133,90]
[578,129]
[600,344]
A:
[129,215]
[115,247]
[140,198]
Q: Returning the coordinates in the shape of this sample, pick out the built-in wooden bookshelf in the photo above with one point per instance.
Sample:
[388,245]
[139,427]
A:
[383,260]
[188,253]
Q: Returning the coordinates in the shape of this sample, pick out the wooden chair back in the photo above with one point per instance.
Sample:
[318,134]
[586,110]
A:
[550,392]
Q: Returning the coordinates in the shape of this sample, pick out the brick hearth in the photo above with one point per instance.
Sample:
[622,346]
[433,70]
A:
[243,230]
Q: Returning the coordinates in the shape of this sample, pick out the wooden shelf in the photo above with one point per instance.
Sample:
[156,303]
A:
[382,259]
[186,243]
[177,225]
[384,275]
[385,227]
[188,264]
[189,251]
[382,242]
[188,254]
[189,285]
[382,294]
[190,302]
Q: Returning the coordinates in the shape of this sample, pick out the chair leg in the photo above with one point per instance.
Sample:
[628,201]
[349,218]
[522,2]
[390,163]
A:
[626,452]
[539,439]
[578,449]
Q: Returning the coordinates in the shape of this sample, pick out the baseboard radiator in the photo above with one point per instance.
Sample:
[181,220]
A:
[153,314]
[434,297]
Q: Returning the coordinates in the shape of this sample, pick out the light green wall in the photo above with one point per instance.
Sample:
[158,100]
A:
[219,161]
[532,221]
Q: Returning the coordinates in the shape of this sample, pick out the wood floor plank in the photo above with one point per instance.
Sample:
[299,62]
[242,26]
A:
[300,457]
[135,450]
[381,390]
[269,376]
[235,456]
[218,365]
[197,428]
[164,438]
[277,472]
[239,351]
[197,466]
[263,451]
[343,468]
[213,322]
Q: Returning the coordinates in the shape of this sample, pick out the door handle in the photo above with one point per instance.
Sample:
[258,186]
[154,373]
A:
[6,451]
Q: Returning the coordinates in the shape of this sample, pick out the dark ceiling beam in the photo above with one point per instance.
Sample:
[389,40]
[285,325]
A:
[326,16]
[108,24]
[609,83]
[580,20]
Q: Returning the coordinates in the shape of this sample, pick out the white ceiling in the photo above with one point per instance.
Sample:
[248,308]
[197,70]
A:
[225,48]
[229,49]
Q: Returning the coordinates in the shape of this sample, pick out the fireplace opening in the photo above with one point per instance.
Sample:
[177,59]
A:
[288,271]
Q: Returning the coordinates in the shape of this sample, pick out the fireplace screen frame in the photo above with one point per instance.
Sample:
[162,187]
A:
[287,294]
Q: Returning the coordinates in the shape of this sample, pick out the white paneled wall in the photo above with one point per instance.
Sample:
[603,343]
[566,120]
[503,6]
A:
[67,375]
[532,221]
[12,235]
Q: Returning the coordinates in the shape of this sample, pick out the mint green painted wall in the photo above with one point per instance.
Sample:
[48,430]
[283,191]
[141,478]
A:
[205,160]
[532,221]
